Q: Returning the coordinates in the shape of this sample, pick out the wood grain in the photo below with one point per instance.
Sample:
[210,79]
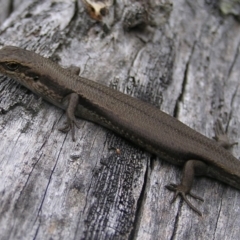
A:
[185,61]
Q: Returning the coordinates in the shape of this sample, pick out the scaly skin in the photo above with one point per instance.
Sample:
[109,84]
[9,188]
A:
[141,123]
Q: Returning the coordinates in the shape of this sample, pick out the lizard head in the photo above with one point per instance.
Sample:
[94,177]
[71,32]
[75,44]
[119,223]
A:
[35,72]
[16,63]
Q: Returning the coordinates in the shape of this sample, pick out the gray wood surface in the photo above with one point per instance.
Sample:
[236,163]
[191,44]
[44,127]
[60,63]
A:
[185,61]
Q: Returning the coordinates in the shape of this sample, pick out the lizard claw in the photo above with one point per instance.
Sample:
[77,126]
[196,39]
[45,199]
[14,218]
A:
[180,190]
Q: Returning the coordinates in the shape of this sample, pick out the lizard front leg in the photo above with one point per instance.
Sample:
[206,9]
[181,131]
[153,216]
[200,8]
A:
[73,100]
[72,105]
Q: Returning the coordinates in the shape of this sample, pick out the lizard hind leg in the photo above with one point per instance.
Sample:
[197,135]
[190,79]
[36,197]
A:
[221,136]
[192,168]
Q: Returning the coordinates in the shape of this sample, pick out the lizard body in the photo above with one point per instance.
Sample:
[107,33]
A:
[140,122]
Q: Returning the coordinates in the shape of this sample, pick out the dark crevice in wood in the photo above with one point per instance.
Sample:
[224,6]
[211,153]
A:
[36,234]
[184,84]
[228,75]
[234,61]
[10,7]
[218,214]
[137,93]
[140,205]
[46,189]
[180,98]
[72,21]
[21,194]
[231,112]
[175,225]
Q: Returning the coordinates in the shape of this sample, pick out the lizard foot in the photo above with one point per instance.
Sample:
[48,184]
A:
[183,192]
[70,125]
[73,100]
[221,136]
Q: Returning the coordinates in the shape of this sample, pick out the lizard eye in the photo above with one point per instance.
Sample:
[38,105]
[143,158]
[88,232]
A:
[36,78]
[12,66]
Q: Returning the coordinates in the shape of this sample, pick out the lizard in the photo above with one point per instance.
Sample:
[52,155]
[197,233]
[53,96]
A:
[140,122]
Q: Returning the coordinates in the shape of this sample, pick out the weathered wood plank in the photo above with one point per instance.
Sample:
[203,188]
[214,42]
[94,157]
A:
[185,61]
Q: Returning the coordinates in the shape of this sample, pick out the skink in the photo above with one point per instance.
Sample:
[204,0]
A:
[137,121]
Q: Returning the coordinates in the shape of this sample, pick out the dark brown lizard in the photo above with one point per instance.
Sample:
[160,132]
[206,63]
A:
[140,122]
